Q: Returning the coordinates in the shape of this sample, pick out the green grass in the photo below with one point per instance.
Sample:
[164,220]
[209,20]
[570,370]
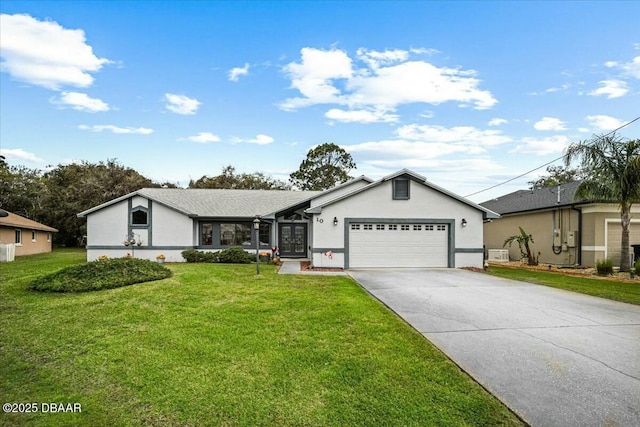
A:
[216,345]
[617,291]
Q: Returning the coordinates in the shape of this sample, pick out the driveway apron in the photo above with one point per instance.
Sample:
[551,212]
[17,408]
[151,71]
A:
[556,358]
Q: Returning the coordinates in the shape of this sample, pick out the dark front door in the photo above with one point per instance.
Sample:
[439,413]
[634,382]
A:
[293,240]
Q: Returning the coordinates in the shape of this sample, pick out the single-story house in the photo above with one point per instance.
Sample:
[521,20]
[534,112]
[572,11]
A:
[401,220]
[27,236]
[565,231]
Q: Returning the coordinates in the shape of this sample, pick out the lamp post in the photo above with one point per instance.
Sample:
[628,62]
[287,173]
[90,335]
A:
[256,226]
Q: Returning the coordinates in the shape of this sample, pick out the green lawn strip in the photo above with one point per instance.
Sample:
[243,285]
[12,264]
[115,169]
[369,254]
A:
[617,291]
[216,345]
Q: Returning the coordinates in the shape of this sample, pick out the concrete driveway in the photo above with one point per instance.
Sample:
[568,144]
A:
[556,358]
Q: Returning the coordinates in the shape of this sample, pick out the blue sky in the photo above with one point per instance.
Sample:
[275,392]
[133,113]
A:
[468,94]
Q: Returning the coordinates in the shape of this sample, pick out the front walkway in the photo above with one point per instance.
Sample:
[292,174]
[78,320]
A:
[556,358]
[293,267]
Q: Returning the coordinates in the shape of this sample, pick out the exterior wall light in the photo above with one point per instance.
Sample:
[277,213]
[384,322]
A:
[335,220]
[463,222]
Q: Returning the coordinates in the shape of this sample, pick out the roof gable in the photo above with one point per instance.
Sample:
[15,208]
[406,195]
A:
[487,213]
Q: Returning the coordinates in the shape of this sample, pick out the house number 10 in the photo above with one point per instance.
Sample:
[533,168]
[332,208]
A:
[320,220]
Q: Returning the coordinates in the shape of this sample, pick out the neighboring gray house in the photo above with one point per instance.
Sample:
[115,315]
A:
[401,220]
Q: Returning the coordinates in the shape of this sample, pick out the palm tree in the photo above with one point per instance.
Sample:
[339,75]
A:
[612,166]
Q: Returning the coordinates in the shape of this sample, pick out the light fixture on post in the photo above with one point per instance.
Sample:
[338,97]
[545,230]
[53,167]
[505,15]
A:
[335,220]
[256,226]
[463,222]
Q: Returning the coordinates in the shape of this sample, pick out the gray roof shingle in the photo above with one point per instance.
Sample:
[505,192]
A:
[219,203]
[531,200]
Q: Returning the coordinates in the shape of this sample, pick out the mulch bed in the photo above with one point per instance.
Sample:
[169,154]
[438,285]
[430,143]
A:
[306,266]
[567,271]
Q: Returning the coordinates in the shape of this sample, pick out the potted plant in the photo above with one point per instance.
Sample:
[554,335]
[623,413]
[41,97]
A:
[160,258]
[265,256]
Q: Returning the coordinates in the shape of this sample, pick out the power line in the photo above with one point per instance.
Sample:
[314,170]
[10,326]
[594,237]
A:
[546,164]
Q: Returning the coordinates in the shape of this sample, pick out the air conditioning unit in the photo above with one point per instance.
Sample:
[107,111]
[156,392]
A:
[499,255]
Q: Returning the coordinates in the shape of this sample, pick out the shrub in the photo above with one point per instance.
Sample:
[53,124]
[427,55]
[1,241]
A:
[192,255]
[101,274]
[604,267]
[637,266]
[233,255]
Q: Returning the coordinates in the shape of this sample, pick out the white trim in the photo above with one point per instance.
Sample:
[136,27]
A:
[607,208]
[594,248]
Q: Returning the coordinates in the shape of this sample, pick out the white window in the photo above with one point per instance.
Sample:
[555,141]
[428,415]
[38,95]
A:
[428,227]
[33,235]
[355,226]
[379,226]
[18,237]
[404,227]
[393,227]
[442,228]
[417,227]
[49,237]
[367,226]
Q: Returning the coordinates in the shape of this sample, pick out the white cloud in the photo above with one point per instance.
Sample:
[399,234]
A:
[611,88]
[20,154]
[602,122]
[181,104]
[467,136]
[558,88]
[549,123]
[81,102]
[116,129]
[261,140]
[45,54]
[378,81]
[542,146]
[497,121]
[235,73]
[632,68]
[361,116]
[202,138]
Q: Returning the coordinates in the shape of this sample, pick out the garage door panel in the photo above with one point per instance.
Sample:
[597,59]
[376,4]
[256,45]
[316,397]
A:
[398,245]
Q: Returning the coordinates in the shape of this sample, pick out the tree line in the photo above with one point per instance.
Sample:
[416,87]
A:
[54,197]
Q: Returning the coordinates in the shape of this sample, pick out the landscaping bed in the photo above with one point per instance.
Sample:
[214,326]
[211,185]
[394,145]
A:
[576,271]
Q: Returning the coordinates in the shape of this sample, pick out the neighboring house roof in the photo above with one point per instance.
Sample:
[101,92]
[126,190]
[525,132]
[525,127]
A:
[533,200]
[17,221]
[487,213]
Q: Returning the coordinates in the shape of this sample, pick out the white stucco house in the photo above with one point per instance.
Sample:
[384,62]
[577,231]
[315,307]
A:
[401,220]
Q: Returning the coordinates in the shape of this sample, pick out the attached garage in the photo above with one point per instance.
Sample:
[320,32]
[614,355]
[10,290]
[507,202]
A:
[402,220]
[398,243]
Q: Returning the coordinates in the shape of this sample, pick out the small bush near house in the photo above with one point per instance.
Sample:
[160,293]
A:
[192,255]
[637,266]
[604,267]
[233,255]
[101,274]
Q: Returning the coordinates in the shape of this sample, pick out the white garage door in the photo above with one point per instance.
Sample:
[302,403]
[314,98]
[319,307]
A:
[398,245]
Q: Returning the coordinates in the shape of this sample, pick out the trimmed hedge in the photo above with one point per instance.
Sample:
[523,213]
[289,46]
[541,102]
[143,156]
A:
[101,274]
[233,255]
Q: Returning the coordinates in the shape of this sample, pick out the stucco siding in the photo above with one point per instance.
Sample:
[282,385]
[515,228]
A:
[171,228]
[108,226]
[28,246]
[540,226]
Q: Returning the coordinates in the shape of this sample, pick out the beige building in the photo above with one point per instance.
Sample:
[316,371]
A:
[565,231]
[29,237]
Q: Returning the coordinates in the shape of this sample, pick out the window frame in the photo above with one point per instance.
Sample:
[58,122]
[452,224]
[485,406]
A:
[34,236]
[135,211]
[395,189]
[18,237]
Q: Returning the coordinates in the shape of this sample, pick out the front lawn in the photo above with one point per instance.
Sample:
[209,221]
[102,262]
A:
[617,291]
[216,345]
